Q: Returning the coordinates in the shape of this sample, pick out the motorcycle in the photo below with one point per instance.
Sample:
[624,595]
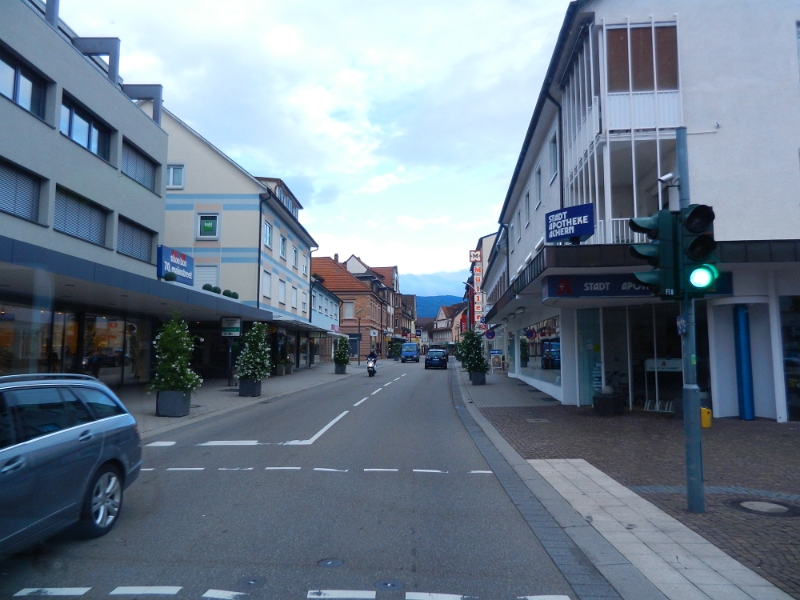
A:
[371,366]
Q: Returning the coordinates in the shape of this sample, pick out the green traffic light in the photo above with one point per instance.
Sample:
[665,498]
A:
[702,277]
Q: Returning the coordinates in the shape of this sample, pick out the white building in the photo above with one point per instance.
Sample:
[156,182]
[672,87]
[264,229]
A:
[625,74]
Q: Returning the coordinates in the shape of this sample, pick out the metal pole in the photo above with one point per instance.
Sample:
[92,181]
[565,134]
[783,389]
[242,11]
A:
[230,362]
[691,393]
[359,341]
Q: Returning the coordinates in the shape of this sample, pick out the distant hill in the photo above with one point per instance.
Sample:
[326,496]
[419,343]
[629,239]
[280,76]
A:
[428,306]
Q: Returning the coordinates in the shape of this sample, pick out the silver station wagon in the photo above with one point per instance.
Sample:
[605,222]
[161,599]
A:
[68,450]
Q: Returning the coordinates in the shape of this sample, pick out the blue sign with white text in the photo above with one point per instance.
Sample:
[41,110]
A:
[570,222]
[172,261]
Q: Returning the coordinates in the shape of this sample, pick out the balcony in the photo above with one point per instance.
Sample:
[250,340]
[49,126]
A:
[619,233]
[645,109]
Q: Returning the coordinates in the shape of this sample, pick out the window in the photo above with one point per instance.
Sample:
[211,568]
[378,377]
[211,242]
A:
[519,220]
[40,411]
[305,265]
[305,302]
[101,405]
[313,301]
[134,240]
[19,192]
[175,177]
[85,129]
[537,183]
[80,218]
[21,86]
[553,156]
[349,310]
[267,235]
[294,297]
[294,257]
[641,74]
[527,207]
[281,291]
[266,284]
[282,247]
[207,226]
[138,167]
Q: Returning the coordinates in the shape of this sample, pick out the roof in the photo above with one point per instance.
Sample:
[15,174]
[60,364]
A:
[454,309]
[282,183]
[387,273]
[337,278]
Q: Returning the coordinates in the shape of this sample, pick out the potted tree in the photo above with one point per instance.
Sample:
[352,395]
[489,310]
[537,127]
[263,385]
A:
[341,356]
[523,351]
[479,367]
[288,363]
[253,365]
[468,350]
[173,379]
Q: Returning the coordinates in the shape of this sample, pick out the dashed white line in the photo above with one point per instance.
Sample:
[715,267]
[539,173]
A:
[487,472]
[381,470]
[282,468]
[160,444]
[150,469]
[396,378]
[348,594]
[360,401]
[235,469]
[428,471]
[330,470]
[388,384]
[75,591]
[231,443]
[428,596]
[154,590]
[318,434]
[222,594]
[376,391]
[404,374]
[542,597]
[186,469]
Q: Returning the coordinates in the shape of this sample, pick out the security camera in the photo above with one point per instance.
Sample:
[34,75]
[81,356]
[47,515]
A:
[666,178]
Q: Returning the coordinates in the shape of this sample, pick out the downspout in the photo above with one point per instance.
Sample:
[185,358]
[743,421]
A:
[260,243]
[560,150]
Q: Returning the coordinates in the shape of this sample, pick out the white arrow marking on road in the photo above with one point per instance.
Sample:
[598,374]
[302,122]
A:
[160,444]
[222,594]
[330,470]
[282,468]
[317,436]
[360,401]
[155,590]
[76,591]
[348,594]
[231,443]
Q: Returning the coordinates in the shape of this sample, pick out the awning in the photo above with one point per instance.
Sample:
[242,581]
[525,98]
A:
[295,324]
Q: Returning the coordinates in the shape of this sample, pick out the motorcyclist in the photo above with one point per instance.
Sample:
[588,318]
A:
[374,357]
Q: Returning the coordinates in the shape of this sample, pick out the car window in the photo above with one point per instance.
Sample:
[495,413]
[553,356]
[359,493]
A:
[100,404]
[39,411]
[6,431]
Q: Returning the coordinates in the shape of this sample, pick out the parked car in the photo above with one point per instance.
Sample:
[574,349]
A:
[436,359]
[68,450]
[409,351]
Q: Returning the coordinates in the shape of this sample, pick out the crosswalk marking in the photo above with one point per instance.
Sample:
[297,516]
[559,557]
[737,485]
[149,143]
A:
[231,443]
[146,590]
[222,594]
[341,594]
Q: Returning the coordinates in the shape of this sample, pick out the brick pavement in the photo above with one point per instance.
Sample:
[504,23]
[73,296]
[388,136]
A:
[760,459]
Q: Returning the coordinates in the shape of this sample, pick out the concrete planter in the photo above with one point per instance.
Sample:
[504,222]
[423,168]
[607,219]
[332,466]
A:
[478,378]
[173,403]
[340,369]
[280,370]
[288,368]
[249,387]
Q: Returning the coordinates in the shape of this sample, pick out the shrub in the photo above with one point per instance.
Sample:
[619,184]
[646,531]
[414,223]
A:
[254,360]
[174,347]
[341,356]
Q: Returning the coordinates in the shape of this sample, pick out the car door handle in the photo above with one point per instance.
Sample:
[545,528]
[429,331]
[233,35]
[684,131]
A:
[15,464]
[85,436]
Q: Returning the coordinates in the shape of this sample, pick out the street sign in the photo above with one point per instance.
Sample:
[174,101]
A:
[681,325]
[483,319]
[418,332]
[496,352]
[490,336]
[530,334]
[373,333]
[231,326]
[480,327]
[474,256]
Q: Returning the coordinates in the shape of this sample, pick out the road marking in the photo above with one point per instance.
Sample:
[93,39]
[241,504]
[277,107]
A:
[186,469]
[376,391]
[396,378]
[282,468]
[76,591]
[160,444]
[428,471]
[388,384]
[154,590]
[222,594]
[231,443]
[542,597]
[381,470]
[360,401]
[150,469]
[487,472]
[235,469]
[428,596]
[318,434]
[404,374]
[348,594]
[330,470]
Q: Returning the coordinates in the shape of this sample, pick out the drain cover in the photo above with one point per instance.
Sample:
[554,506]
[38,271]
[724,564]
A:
[250,583]
[765,508]
[330,563]
[389,584]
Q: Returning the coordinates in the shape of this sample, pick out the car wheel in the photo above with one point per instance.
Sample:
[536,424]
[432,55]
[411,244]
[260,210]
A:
[102,503]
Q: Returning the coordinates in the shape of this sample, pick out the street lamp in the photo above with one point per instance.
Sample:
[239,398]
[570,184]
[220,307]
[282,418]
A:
[358,312]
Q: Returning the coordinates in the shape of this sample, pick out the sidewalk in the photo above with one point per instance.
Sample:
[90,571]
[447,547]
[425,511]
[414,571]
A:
[215,397]
[625,476]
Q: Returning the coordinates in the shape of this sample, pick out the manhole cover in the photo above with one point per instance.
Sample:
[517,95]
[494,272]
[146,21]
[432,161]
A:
[250,583]
[538,420]
[765,508]
[389,584]
[330,563]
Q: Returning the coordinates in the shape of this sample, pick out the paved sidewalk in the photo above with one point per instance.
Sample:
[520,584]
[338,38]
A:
[215,397]
[625,476]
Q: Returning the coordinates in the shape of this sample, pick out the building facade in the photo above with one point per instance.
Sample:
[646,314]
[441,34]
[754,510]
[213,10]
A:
[625,76]
[325,312]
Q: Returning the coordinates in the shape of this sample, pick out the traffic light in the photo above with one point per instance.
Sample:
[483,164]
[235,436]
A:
[661,253]
[697,246]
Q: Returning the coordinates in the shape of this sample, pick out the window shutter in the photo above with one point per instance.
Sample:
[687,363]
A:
[204,274]
[79,218]
[19,193]
[134,240]
[138,167]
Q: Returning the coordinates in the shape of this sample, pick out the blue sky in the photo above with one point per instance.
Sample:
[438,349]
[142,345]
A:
[396,124]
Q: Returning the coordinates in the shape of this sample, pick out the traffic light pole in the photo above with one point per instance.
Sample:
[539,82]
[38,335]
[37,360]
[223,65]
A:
[691,393]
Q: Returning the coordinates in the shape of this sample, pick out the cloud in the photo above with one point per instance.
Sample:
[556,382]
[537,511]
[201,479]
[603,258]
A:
[434,284]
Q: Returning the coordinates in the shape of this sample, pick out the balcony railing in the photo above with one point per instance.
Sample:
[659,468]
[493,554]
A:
[620,233]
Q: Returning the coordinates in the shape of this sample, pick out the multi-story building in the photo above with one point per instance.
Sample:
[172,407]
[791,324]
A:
[625,77]
[325,313]
[82,173]
[448,325]
[408,316]
[244,235]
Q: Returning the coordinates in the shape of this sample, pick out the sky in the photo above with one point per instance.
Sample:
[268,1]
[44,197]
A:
[397,125]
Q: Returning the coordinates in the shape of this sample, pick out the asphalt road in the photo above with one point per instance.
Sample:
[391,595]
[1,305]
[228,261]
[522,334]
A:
[377,473]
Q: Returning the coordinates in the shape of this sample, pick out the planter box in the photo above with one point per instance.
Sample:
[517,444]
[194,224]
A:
[340,369]
[279,370]
[288,368]
[249,387]
[523,362]
[397,358]
[478,378]
[173,404]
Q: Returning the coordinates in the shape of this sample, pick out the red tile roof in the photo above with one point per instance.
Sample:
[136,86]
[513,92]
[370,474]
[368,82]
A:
[337,278]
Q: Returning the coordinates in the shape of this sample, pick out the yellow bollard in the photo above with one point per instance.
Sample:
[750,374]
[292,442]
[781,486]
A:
[705,417]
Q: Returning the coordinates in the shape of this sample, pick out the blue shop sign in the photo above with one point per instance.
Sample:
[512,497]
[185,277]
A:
[611,286]
[172,261]
[570,222]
